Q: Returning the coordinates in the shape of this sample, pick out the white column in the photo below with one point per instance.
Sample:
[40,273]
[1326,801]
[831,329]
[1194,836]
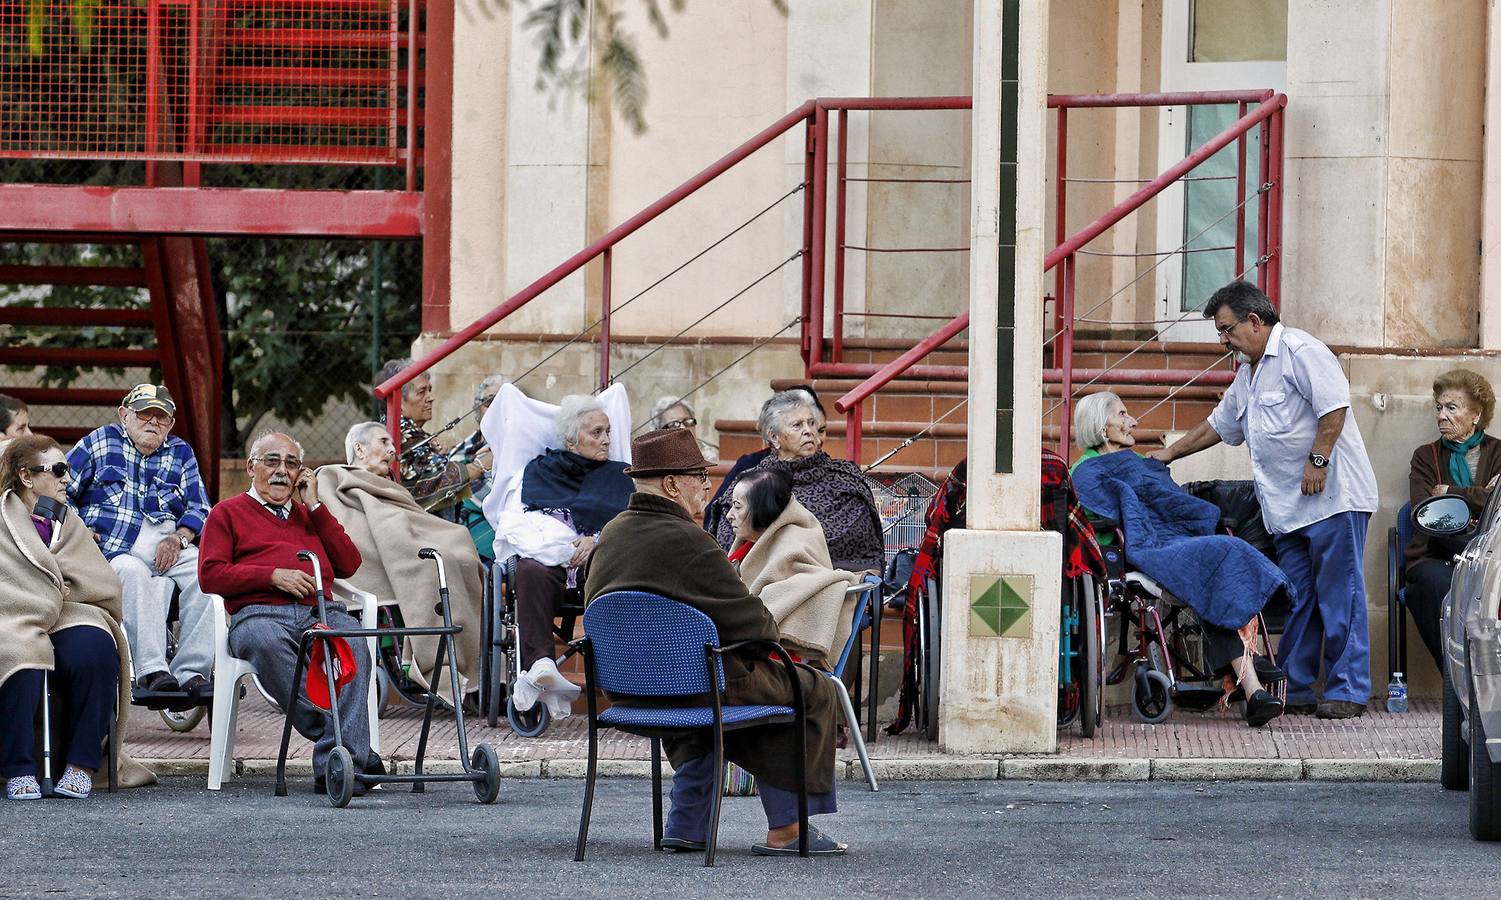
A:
[1001,576]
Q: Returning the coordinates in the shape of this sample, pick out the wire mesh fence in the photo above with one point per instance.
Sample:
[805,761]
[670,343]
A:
[246,80]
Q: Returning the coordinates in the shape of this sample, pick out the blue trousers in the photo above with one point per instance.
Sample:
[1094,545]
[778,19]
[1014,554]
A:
[1327,625]
[87,674]
[693,789]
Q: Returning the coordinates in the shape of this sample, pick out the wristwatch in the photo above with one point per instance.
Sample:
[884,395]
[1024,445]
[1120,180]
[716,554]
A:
[1319,462]
[186,542]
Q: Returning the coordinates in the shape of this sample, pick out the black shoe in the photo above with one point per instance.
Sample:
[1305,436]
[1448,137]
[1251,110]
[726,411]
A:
[158,683]
[1267,671]
[683,845]
[199,687]
[1306,708]
[1340,709]
[1262,708]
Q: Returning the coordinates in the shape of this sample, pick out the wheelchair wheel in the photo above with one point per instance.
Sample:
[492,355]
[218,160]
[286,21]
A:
[932,659]
[1091,674]
[1151,696]
[528,724]
[484,760]
[382,690]
[185,720]
[340,777]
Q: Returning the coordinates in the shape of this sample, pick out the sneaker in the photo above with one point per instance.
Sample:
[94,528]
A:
[23,787]
[75,783]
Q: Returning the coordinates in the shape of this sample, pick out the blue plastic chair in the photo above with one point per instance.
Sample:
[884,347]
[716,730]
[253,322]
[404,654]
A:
[1397,539]
[867,612]
[666,653]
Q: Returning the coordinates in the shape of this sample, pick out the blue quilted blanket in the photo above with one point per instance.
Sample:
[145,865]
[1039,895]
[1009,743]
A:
[1169,536]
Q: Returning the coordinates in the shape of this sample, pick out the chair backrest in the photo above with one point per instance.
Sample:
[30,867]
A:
[859,620]
[1404,527]
[646,645]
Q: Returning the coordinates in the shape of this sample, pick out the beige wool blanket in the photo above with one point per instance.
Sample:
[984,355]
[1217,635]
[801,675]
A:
[45,590]
[388,527]
[788,568]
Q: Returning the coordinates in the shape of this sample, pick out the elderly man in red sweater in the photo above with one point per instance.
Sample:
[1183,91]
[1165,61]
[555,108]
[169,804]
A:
[249,557]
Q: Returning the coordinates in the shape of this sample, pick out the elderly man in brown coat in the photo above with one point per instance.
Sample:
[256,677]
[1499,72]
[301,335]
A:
[657,546]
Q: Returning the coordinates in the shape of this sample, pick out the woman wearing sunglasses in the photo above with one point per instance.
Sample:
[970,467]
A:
[60,614]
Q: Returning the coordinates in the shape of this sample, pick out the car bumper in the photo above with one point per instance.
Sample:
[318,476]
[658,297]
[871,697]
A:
[1485,669]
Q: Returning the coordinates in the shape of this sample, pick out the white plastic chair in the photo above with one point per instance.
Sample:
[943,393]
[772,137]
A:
[229,670]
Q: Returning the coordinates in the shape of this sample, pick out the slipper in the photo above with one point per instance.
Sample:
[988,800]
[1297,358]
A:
[75,783]
[819,844]
[23,787]
[683,845]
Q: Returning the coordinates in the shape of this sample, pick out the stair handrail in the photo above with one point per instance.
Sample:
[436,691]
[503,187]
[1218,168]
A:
[1271,103]
[390,389]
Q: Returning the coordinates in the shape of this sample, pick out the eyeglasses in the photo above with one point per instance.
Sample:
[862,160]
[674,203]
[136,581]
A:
[1223,330]
[703,477]
[58,469]
[273,463]
[152,415]
[687,422]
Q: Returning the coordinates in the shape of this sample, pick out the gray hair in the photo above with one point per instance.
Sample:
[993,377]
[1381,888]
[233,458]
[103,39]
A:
[781,403]
[571,412]
[255,446]
[359,436]
[663,404]
[1244,299]
[491,382]
[394,366]
[1091,414]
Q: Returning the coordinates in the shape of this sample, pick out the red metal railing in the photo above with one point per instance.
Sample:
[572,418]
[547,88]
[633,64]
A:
[814,116]
[247,81]
[1063,257]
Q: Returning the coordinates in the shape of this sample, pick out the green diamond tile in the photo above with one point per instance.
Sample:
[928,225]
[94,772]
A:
[1000,606]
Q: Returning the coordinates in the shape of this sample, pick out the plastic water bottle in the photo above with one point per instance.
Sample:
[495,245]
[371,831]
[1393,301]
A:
[1396,694]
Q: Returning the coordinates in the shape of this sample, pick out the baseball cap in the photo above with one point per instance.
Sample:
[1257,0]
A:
[150,396]
[342,661]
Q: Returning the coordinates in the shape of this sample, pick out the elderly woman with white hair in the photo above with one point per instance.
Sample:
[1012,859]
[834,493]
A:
[566,496]
[833,490]
[1102,425]
[389,527]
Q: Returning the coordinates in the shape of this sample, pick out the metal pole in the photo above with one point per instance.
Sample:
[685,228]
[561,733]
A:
[393,425]
[1060,215]
[1274,246]
[1066,353]
[1263,204]
[841,170]
[377,313]
[153,73]
[807,267]
[604,320]
[1240,198]
[412,40]
[820,230]
[854,426]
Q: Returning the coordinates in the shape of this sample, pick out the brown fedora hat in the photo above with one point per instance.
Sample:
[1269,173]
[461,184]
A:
[666,451]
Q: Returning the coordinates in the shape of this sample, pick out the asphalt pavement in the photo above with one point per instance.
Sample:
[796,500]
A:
[913,839]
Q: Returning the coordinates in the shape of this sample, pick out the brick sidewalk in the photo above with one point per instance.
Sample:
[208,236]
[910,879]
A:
[1187,735]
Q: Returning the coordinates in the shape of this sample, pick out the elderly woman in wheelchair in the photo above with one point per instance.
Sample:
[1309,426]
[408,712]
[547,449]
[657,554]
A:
[1171,557]
[559,479]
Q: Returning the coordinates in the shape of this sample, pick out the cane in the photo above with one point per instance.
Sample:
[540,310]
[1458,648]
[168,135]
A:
[46,738]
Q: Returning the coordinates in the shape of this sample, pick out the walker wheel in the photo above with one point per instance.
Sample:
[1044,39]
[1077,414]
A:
[530,723]
[340,777]
[487,762]
[1151,696]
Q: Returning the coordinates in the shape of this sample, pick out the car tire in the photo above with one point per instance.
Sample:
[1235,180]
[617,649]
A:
[1454,762]
[1485,781]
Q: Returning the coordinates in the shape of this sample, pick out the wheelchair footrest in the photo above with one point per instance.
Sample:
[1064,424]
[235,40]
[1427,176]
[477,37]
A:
[1197,694]
[176,700]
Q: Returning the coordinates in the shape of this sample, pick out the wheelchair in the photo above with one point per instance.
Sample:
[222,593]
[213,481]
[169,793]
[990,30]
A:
[1081,642]
[179,711]
[500,641]
[1160,645]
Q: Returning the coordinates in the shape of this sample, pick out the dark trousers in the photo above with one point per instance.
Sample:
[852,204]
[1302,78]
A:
[1427,585]
[1221,648]
[693,789]
[540,591]
[87,675]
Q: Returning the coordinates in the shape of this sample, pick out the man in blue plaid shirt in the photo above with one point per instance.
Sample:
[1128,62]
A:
[138,489]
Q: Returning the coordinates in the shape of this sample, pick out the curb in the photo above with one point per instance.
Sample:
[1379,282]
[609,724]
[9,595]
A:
[926,768]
